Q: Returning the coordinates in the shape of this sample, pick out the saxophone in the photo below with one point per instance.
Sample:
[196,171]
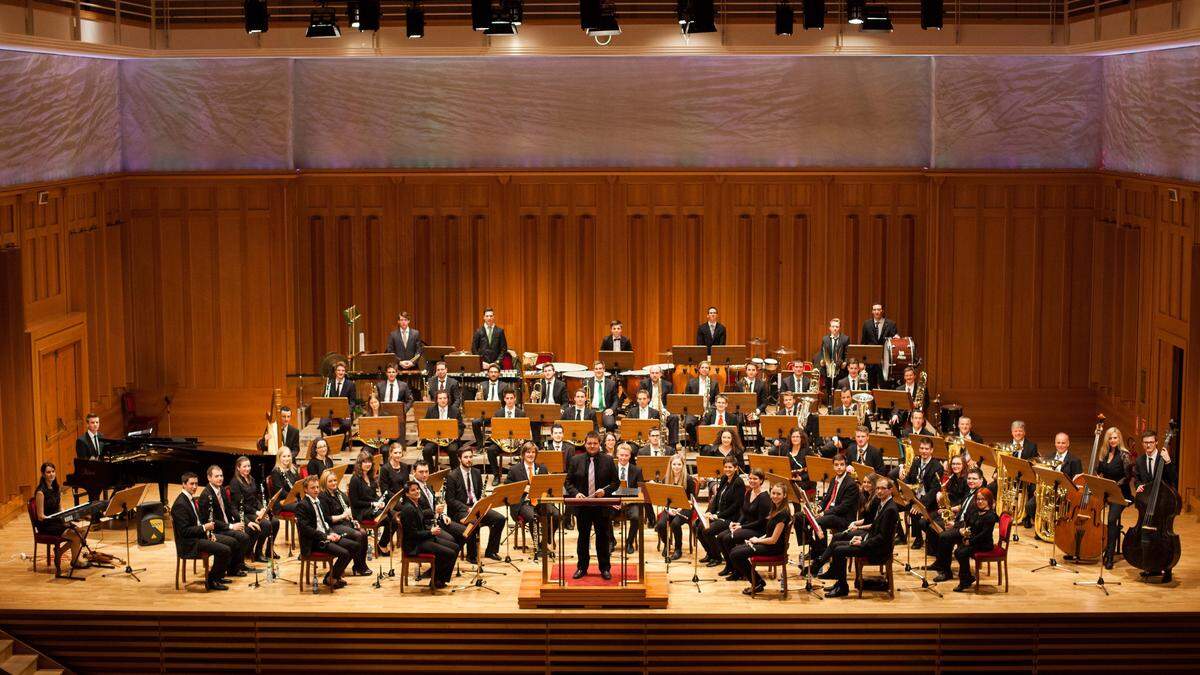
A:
[919,394]
[945,510]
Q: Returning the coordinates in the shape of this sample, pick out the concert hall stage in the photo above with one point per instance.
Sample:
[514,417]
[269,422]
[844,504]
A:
[1044,622]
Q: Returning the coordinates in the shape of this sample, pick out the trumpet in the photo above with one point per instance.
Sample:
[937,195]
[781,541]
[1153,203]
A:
[535,392]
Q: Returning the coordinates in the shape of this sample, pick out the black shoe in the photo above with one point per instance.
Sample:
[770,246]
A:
[423,575]
[962,587]
[757,588]
[1027,524]
[1108,562]
[251,570]
[328,581]
[827,575]
[605,575]
[703,561]
[941,576]
[1167,577]
[714,562]
[1145,575]
[239,573]
[493,556]
[735,577]
[274,556]
[966,583]
[629,548]
[474,560]
[260,560]
[215,586]
[340,583]
[579,574]
[918,543]
[725,572]
[839,590]
[677,554]
[365,572]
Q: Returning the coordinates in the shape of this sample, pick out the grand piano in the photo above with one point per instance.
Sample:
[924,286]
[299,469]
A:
[141,457]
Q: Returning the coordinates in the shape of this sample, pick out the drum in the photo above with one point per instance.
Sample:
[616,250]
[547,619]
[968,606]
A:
[561,367]
[574,382]
[901,352]
[948,417]
[633,380]
[772,365]
[759,362]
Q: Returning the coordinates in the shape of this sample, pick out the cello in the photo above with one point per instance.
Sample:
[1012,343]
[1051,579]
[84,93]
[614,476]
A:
[1082,531]
[1152,545]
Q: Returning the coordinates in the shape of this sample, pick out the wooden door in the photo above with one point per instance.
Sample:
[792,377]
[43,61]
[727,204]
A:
[60,404]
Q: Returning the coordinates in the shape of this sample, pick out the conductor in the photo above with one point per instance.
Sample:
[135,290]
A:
[592,474]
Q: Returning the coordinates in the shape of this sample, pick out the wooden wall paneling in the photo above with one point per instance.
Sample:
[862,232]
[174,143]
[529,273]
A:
[10,234]
[55,353]
[44,254]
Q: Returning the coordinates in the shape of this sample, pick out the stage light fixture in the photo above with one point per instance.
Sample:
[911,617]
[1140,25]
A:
[414,21]
[877,18]
[598,18]
[814,14]
[257,17]
[322,23]
[696,16]
[481,14]
[784,17]
[856,11]
[363,14]
[932,12]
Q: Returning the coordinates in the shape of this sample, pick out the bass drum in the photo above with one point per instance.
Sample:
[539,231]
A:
[574,382]
[948,417]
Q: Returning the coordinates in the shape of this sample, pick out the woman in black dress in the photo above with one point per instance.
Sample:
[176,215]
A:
[755,508]
[981,524]
[283,477]
[1116,464]
[772,542]
[337,507]
[48,500]
[367,499]
[724,507]
[251,508]
[676,517]
[319,459]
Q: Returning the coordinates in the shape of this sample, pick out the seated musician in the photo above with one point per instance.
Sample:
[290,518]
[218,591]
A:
[492,389]
[368,497]
[548,389]
[701,385]
[641,410]
[839,507]
[90,445]
[917,426]
[925,475]
[629,475]
[317,534]
[217,504]
[863,452]
[898,417]
[721,416]
[440,382]
[464,487]
[283,477]
[338,385]
[319,459]
[772,541]
[509,409]
[1115,463]
[977,536]
[752,384]
[789,407]
[867,511]
[847,406]
[289,435]
[965,431]
[455,531]
[658,388]
[420,534]
[557,444]
[675,516]
[712,332]
[856,377]
[48,501]
[1147,465]
[726,445]
[525,470]
[796,450]
[392,390]
[393,472]
[443,410]
[875,545]
[405,342]
[799,382]
[724,508]
[1068,463]
[580,410]
[616,341]
[602,392]
[489,341]
[756,507]
[373,407]
[654,446]
[942,544]
[195,535]
[249,501]
[609,443]
[336,507]
[1026,449]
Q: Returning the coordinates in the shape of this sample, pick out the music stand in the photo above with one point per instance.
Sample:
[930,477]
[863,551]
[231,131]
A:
[379,429]
[1056,479]
[667,497]
[654,468]
[333,407]
[375,363]
[399,410]
[820,469]
[941,451]
[979,451]
[709,468]
[434,430]
[727,355]
[688,355]
[1110,492]
[776,426]
[861,470]
[554,461]
[772,464]
[709,433]
[686,404]
[482,410]
[481,507]
[576,431]
[742,401]
[1020,470]
[543,413]
[509,429]
[638,430]
[868,354]
[546,485]
[916,505]
[896,399]
[841,426]
[419,408]
[463,364]
[436,479]
[122,503]
[615,362]
[435,353]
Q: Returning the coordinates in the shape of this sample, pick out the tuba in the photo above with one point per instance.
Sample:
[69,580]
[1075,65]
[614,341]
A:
[1050,503]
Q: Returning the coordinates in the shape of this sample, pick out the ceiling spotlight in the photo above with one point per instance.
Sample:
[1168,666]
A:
[931,14]
[784,17]
[414,21]
[814,14]
[322,23]
[877,18]
[257,16]
[481,14]
[696,16]
[363,14]
[856,11]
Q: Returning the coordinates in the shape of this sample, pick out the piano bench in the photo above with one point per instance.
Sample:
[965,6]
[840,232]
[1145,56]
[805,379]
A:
[308,567]
[181,567]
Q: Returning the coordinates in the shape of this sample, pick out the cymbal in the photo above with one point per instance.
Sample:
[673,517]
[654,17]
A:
[327,362]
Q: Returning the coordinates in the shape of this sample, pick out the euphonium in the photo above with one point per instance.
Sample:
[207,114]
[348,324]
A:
[1049,503]
[945,511]
[535,394]
[805,410]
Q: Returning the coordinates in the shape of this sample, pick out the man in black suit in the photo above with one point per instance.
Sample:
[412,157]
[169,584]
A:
[925,473]
[1150,462]
[966,430]
[1027,450]
[90,445]
[317,534]
[629,475]
[217,503]
[839,507]
[405,342]
[720,415]
[831,355]
[491,389]
[701,385]
[508,409]
[642,410]
[191,535]
[556,444]
[338,385]
[549,389]
[1069,464]
[603,395]
[712,332]
[876,331]
[798,382]
[942,548]
[464,487]
[489,341]
[898,416]
[856,379]
[916,426]
[876,545]
[289,436]
[392,390]
[615,341]
[580,411]
[865,453]
[659,388]
[592,474]
[443,382]
[443,409]
[846,406]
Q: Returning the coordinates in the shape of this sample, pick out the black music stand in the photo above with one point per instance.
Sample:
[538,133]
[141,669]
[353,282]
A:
[1055,479]
[916,505]
[1110,492]
[120,505]
[615,362]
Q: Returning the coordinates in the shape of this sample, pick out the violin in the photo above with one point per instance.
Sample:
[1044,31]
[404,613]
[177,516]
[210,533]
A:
[1152,545]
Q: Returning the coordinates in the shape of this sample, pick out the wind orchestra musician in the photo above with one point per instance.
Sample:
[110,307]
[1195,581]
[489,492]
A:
[847,406]
[318,457]
[609,444]
[509,409]
[336,507]
[712,332]
[724,508]
[90,445]
[289,436]
[392,390]
[338,385]
[284,477]
[47,502]
[641,410]
[675,516]
[916,426]
[405,342]
[250,502]
[443,410]
[701,385]
[874,545]
[421,534]
[798,382]
[925,477]
[727,446]
[659,388]
[839,507]
[856,379]
[831,354]
[805,419]
[616,341]
[368,497]
[772,542]
[443,382]
[317,533]
[603,395]
[720,415]
[1025,449]
[523,470]
[492,389]
[977,536]
[756,508]
[194,535]
[865,453]
[876,331]
[579,410]
[751,384]
[1068,463]
[217,506]
[867,511]
[941,544]
[898,417]
[455,531]
[796,449]
[628,475]
[464,487]
[393,473]
[489,342]
[556,443]
[1116,464]
[654,446]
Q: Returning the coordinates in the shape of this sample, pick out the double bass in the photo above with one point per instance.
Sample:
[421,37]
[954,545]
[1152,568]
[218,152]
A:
[1082,532]
[1152,545]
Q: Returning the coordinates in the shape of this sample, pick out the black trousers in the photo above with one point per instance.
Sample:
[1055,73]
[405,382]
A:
[221,554]
[343,551]
[840,553]
[944,544]
[675,522]
[531,515]
[1114,528]
[267,529]
[729,540]
[829,524]
[430,452]
[963,555]
[588,518]
[238,543]
[633,515]
[709,535]
[359,539]
[739,559]
[494,522]
[443,556]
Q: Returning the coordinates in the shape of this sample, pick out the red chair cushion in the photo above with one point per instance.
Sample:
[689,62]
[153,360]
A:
[768,559]
[317,556]
[368,524]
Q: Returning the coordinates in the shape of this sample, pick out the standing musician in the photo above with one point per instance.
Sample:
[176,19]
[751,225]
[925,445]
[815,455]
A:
[942,544]
[557,444]
[1115,463]
[492,389]
[1143,477]
[865,453]
[628,475]
[289,436]
[602,392]
[443,382]
[248,501]
[876,545]
[284,477]
[317,533]
[368,497]
[615,341]
[724,508]
[526,469]
[193,535]
[509,409]
[712,332]
[658,389]
[489,341]
[48,501]
[756,508]
[674,516]
[701,385]
[319,459]
[798,382]
[464,487]
[444,410]
[831,354]
[592,474]
[839,508]
[405,342]
[580,411]
[338,385]
[218,505]
[772,542]
[90,445]
[925,477]
[876,331]
[977,536]
[1068,463]
[420,534]
[392,390]
[340,517]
